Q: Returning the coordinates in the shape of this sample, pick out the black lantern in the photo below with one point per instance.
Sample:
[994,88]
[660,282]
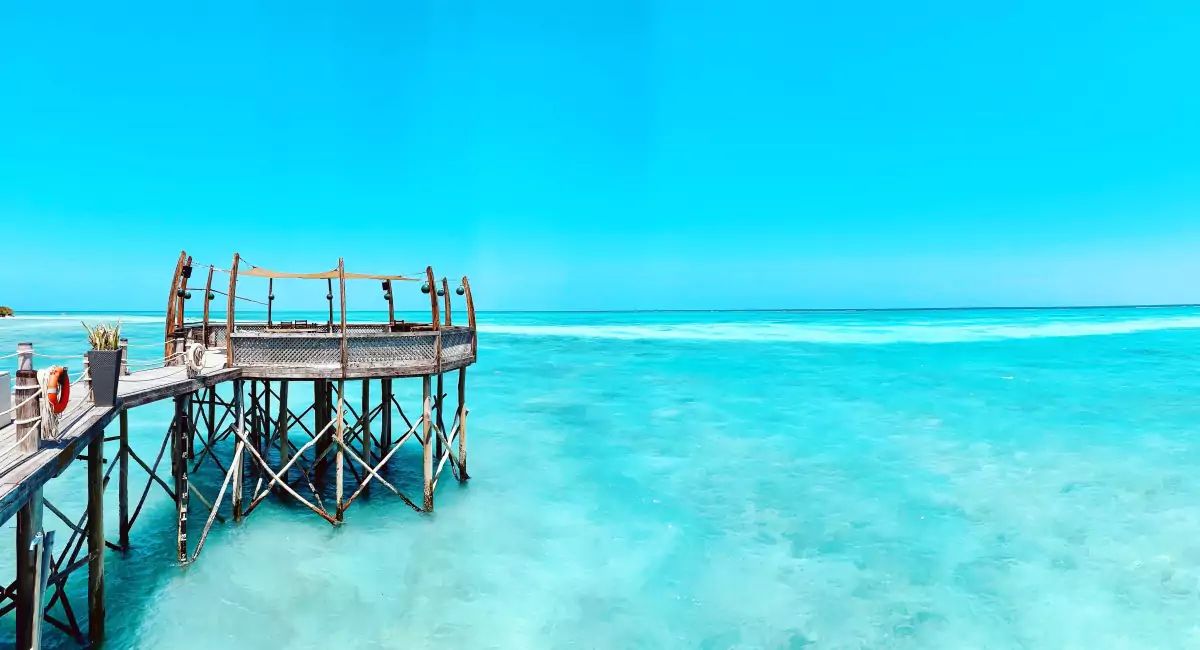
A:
[424,287]
[460,290]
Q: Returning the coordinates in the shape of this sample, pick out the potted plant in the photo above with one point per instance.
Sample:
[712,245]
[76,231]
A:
[104,362]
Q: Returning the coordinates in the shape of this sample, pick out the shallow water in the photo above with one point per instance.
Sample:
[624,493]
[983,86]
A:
[925,479]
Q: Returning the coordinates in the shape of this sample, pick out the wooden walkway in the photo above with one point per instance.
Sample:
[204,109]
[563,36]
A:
[21,473]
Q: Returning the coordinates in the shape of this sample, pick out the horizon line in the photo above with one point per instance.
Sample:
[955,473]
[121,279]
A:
[708,310]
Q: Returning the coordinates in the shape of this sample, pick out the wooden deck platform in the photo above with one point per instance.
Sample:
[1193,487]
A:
[21,472]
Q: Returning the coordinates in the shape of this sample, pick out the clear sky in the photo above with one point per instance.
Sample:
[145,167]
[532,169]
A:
[609,154]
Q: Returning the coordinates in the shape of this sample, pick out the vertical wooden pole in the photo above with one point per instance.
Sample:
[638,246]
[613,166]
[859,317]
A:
[270,299]
[441,424]
[95,539]
[320,421]
[339,431]
[123,482]
[173,303]
[427,442]
[446,295]
[462,424]
[123,344]
[208,296]
[470,316]
[29,518]
[181,294]
[27,416]
[341,269]
[229,311]
[385,432]
[255,427]
[179,469]
[433,297]
[366,421]
[282,427]
[391,305]
[329,297]
[239,416]
[29,606]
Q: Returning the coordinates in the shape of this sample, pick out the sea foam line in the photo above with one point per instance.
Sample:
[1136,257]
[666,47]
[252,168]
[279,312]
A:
[850,334]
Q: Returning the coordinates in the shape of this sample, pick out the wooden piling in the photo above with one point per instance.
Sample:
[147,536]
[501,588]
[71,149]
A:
[124,347]
[123,482]
[179,470]
[239,415]
[321,418]
[95,538]
[462,425]
[282,427]
[385,425]
[229,312]
[365,415]
[339,431]
[441,425]
[29,569]
[427,443]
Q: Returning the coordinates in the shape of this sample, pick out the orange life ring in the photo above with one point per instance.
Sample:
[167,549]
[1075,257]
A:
[58,389]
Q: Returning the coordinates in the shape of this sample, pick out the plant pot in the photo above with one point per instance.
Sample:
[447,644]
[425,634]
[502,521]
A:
[104,367]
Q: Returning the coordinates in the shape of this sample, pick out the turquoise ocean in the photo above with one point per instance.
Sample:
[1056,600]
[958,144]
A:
[855,479]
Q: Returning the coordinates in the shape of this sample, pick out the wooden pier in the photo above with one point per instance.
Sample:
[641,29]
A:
[272,408]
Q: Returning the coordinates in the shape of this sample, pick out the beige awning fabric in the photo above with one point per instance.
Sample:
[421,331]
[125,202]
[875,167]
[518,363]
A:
[332,274]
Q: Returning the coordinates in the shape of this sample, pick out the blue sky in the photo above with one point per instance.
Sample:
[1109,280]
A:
[593,155]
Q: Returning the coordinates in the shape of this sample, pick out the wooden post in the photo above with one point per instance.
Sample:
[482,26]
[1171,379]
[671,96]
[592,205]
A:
[229,309]
[28,597]
[282,427]
[446,295]
[270,298]
[470,316]
[208,296]
[239,415]
[329,297]
[172,303]
[365,431]
[255,426]
[385,432]
[124,345]
[441,425]
[179,470]
[462,424]
[95,538]
[320,421]
[123,482]
[182,293]
[29,518]
[27,416]
[427,441]
[341,269]
[433,302]
[339,431]
[391,306]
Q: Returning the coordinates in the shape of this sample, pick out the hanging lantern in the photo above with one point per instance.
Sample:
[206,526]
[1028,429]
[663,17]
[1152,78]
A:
[329,296]
[460,290]
[187,295]
[441,292]
[387,296]
[424,287]
[212,296]
[271,297]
